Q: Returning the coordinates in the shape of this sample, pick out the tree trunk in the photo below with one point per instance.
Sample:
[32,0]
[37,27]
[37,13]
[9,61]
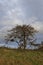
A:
[24,41]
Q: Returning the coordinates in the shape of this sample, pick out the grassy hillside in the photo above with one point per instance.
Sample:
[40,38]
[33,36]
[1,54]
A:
[20,57]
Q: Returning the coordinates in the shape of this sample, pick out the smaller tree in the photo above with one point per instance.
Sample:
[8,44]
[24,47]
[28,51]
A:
[22,35]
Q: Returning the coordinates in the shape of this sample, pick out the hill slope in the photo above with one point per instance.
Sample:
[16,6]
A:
[20,57]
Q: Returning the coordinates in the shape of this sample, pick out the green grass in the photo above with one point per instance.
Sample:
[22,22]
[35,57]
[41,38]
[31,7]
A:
[20,57]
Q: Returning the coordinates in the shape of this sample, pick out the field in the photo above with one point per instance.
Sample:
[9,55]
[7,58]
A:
[20,57]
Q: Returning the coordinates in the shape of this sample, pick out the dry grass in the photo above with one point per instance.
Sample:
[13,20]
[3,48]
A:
[20,57]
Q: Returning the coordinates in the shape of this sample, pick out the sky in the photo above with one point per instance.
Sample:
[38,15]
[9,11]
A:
[14,12]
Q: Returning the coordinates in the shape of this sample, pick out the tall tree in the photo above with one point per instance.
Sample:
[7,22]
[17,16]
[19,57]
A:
[22,35]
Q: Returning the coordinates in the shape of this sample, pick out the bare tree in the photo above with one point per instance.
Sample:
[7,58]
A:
[22,35]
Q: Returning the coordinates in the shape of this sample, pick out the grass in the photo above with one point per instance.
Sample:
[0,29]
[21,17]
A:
[20,57]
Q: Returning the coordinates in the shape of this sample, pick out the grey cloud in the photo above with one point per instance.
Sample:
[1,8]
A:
[22,10]
[32,8]
[5,6]
[29,8]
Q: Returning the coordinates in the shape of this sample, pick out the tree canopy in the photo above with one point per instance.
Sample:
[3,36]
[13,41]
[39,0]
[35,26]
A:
[22,35]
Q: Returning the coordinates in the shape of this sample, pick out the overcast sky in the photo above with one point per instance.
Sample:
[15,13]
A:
[14,12]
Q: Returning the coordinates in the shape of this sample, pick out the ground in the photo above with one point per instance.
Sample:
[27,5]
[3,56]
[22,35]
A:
[20,57]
